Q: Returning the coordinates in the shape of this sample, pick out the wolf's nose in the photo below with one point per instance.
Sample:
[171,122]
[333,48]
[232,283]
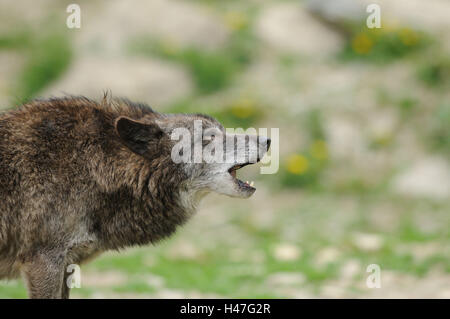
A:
[264,141]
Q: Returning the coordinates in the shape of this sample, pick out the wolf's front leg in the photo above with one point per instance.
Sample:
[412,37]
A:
[44,274]
[65,290]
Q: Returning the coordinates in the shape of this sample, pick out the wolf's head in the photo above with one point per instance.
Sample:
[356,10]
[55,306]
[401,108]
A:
[207,154]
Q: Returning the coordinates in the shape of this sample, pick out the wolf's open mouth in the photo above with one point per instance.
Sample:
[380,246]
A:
[241,184]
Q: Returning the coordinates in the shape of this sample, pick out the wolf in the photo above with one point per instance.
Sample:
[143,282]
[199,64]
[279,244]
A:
[79,177]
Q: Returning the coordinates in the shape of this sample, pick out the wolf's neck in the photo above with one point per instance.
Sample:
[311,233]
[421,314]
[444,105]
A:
[126,220]
[189,200]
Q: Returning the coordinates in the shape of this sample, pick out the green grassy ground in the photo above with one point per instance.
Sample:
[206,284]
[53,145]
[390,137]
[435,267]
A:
[242,250]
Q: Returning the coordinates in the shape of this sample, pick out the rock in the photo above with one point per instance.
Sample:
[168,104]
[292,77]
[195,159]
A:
[402,285]
[423,251]
[178,22]
[183,251]
[287,252]
[170,294]
[152,81]
[333,290]
[344,138]
[103,279]
[430,15]
[383,124]
[350,269]
[289,27]
[327,256]
[428,177]
[444,294]
[156,282]
[367,242]
[338,10]
[16,13]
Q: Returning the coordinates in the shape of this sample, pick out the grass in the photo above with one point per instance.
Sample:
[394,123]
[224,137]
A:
[211,70]
[213,271]
[216,272]
[305,167]
[48,58]
[18,40]
[135,287]
[48,55]
[242,112]
[13,289]
[438,129]
[301,170]
[435,72]
[383,45]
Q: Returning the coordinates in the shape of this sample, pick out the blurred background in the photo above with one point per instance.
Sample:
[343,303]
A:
[364,118]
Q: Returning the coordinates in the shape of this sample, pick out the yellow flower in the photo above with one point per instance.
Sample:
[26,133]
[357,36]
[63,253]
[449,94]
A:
[243,108]
[362,44]
[235,20]
[297,164]
[319,150]
[382,139]
[408,37]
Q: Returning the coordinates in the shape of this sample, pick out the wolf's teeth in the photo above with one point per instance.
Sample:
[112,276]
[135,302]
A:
[252,183]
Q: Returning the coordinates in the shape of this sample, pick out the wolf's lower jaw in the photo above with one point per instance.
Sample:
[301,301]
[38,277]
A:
[243,186]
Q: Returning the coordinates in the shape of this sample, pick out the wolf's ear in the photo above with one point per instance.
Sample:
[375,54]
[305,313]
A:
[137,135]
